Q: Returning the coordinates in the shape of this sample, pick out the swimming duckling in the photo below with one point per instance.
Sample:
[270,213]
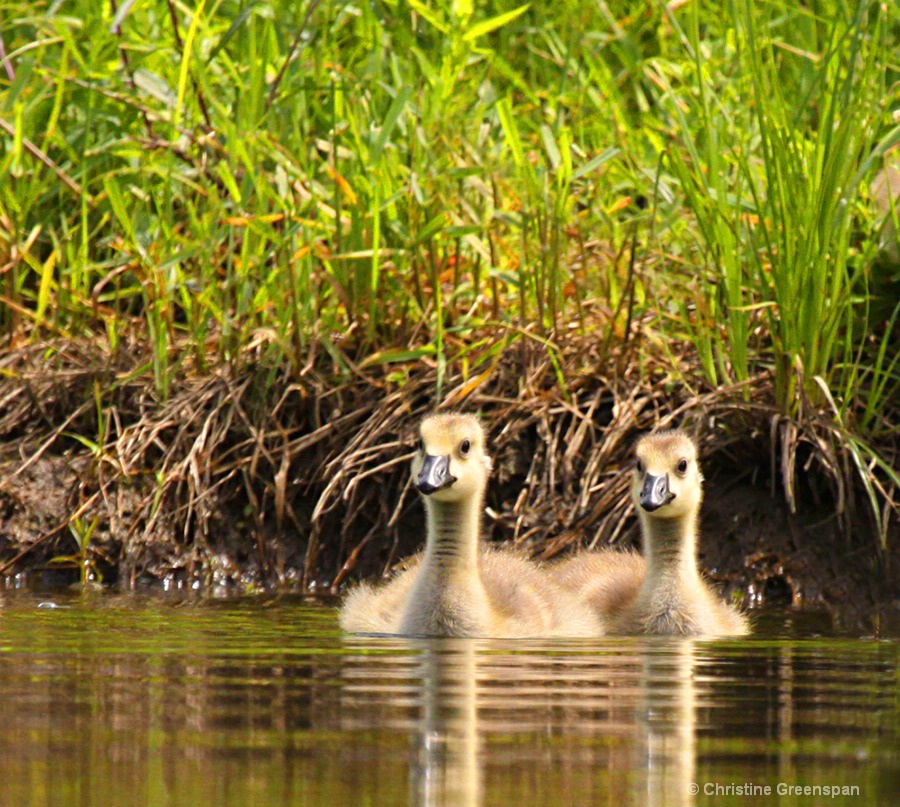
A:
[661,593]
[456,587]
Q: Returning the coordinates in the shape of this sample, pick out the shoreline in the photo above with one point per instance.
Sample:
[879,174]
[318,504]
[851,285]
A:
[267,481]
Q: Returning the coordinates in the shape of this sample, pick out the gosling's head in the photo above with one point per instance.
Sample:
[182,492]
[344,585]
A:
[667,480]
[451,462]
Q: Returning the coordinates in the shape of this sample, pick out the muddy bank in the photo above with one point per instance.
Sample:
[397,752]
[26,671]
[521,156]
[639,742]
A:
[263,479]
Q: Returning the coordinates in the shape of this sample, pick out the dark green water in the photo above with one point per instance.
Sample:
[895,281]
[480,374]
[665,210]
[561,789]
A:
[127,700]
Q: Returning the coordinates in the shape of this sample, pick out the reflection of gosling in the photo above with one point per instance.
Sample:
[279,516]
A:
[663,594]
[456,588]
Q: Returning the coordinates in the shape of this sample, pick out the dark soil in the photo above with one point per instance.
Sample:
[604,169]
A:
[260,480]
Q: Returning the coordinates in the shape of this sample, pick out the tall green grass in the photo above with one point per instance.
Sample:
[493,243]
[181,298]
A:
[772,152]
[378,182]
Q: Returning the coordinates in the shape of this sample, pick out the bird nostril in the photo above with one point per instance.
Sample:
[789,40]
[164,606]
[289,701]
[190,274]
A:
[662,492]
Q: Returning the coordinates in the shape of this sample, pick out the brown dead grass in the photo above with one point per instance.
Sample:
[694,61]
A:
[262,479]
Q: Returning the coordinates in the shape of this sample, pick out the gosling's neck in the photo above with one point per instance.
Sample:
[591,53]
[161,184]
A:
[670,547]
[454,533]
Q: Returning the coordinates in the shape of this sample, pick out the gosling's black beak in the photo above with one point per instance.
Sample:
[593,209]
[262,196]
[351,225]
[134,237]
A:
[655,492]
[435,474]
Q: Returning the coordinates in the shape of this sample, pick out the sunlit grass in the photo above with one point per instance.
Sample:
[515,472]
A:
[381,182]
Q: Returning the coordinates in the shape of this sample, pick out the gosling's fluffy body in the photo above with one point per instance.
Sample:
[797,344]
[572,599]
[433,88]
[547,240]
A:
[456,587]
[607,580]
[517,602]
[661,593]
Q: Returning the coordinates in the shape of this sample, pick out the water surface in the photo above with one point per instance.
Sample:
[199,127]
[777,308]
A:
[140,700]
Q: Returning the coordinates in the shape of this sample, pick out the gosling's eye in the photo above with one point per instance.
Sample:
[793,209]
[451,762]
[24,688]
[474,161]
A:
[465,447]
[640,467]
[682,467]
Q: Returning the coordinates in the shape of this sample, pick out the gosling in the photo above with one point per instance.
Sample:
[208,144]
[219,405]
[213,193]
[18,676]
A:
[456,587]
[661,593]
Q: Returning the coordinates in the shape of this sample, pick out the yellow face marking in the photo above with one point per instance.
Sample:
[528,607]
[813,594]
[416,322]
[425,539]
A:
[663,453]
[450,435]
